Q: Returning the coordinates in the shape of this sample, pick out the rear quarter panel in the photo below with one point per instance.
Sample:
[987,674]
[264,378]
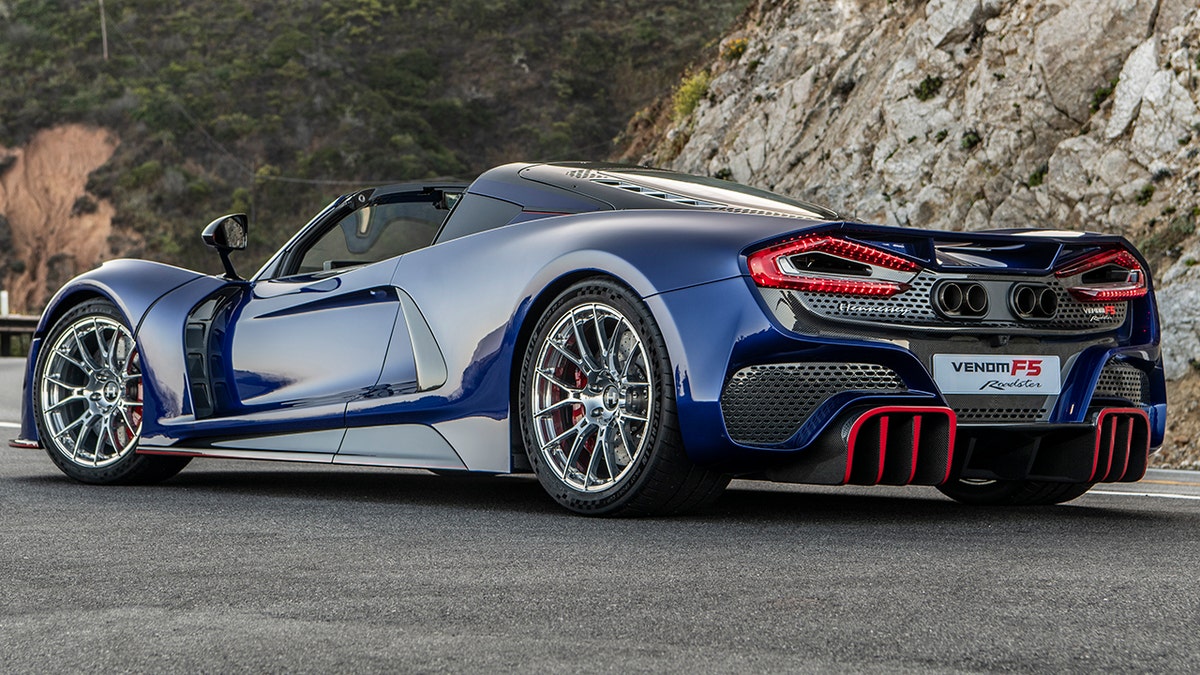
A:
[481,295]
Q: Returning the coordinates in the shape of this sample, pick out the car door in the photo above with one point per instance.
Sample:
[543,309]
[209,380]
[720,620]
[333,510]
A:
[311,334]
[311,340]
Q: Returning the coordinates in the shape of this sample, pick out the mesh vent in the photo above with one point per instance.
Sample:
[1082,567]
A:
[584,174]
[765,212]
[653,192]
[764,405]
[914,307]
[1009,415]
[1121,380]
[1001,408]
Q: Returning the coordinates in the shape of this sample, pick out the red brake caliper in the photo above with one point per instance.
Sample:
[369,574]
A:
[135,412]
[569,372]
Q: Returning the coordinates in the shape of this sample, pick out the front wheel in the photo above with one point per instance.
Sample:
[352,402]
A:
[88,399]
[1012,492]
[597,409]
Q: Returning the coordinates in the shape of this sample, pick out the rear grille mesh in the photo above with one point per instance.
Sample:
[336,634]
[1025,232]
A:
[764,405]
[1123,381]
[914,307]
[1007,415]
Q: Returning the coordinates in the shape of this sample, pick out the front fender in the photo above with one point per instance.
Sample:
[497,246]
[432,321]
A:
[132,285]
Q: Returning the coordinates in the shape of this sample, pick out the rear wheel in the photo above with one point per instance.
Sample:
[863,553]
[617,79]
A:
[597,409]
[1012,492]
[88,399]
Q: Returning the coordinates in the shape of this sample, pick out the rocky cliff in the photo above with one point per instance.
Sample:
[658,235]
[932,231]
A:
[966,115]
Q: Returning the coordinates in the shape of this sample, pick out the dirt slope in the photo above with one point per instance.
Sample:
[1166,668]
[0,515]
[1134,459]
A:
[55,228]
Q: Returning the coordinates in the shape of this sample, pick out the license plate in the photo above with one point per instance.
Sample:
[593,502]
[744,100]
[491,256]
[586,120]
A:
[988,374]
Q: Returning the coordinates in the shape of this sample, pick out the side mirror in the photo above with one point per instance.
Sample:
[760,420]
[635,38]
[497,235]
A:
[225,234]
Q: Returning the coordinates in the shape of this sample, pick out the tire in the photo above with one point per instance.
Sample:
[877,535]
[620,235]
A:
[597,413]
[87,400]
[1012,492]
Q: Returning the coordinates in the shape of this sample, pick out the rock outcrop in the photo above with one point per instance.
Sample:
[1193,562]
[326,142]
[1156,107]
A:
[966,115]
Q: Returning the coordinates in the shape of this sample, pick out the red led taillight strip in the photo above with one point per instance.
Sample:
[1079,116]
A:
[765,270]
[1134,287]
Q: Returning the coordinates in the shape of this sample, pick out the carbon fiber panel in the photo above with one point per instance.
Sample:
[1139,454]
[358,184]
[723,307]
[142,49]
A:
[998,409]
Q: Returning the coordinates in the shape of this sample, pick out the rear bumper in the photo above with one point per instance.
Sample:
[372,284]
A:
[730,425]
[1115,447]
[895,445]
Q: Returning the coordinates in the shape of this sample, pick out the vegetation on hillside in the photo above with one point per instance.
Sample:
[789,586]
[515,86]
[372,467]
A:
[272,107]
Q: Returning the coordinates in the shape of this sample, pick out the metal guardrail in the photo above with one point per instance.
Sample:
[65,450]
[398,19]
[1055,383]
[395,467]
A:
[15,325]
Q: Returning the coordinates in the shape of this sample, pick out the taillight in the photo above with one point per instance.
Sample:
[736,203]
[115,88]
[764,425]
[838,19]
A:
[1107,275]
[825,264]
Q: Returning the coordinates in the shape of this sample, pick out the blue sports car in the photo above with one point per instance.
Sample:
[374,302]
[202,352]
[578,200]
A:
[634,337]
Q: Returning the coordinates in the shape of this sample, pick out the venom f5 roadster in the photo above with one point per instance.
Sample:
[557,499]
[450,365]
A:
[632,336]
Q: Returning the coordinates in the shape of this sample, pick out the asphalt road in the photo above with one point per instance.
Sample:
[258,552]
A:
[11,372]
[246,566]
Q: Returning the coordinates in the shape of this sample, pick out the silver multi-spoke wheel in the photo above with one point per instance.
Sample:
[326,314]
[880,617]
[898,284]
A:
[592,400]
[90,392]
[596,402]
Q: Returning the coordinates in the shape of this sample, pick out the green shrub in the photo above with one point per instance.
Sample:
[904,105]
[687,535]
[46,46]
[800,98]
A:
[733,50]
[1145,194]
[142,175]
[928,88]
[690,93]
[1162,241]
[1039,175]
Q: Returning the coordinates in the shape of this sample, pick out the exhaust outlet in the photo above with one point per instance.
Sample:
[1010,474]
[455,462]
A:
[950,298]
[1033,301]
[961,299]
[976,299]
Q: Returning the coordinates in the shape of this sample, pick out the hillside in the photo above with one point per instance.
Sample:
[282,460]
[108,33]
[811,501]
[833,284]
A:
[273,107]
[965,116]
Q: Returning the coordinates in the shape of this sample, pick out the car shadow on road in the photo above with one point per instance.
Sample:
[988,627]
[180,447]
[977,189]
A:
[751,501]
[901,505]
[748,502]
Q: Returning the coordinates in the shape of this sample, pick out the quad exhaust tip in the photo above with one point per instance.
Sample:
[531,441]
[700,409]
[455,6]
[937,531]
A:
[961,299]
[1034,301]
